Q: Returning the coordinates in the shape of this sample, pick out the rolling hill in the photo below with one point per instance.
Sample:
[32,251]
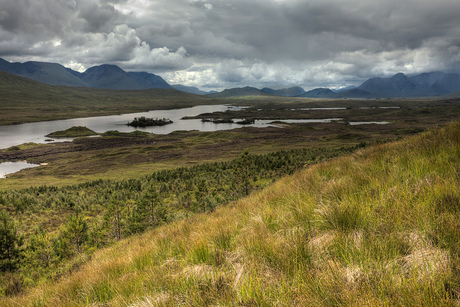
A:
[27,100]
[286,92]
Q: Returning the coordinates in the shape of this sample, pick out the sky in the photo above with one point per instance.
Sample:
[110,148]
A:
[217,44]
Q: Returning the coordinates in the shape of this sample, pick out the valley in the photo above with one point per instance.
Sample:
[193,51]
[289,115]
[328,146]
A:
[95,194]
[229,153]
[127,155]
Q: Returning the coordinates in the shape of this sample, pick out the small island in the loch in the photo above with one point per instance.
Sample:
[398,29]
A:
[247,121]
[146,122]
[76,131]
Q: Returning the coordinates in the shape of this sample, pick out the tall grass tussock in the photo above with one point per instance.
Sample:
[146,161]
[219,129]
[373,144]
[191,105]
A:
[379,227]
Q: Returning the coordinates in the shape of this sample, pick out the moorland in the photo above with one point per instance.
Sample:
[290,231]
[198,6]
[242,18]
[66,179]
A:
[333,213]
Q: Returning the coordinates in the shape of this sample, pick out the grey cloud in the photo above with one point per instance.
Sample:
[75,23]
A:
[238,42]
[98,16]
[43,18]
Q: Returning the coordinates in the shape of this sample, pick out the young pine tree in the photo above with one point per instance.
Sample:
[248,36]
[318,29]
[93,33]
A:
[72,238]
[244,171]
[10,243]
[116,218]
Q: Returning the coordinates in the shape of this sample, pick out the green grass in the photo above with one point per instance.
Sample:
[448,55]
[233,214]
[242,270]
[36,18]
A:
[72,132]
[376,228]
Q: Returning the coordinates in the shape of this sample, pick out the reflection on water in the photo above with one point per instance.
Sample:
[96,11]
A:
[13,167]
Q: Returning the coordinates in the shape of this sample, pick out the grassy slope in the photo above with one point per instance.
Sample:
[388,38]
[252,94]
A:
[379,227]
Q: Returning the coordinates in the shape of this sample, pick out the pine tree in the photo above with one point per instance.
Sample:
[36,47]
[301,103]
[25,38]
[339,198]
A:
[244,171]
[148,205]
[39,252]
[200,195]
[115,218]
[10,243]
[76,231]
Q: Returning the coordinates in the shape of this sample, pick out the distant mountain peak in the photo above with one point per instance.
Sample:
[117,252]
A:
[320,92]
[103,69]
[399,76]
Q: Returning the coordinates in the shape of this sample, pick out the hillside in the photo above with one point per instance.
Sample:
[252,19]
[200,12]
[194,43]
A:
[102,76]
[49,73]
[190,89]
[376,228]
[27,100]
[320,93]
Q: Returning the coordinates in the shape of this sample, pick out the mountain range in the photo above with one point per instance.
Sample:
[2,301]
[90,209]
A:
[108,76]
[104,76]
[399,85]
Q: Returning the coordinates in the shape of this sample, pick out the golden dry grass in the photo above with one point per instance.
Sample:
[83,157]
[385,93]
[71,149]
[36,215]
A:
[377,228]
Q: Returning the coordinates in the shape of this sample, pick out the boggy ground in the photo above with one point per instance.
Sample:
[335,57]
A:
[120,155]
[129,156]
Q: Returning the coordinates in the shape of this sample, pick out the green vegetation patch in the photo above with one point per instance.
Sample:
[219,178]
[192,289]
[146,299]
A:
[350,136]
[148,121]
[118,133]
[64,224]
[76,131]
[22,147]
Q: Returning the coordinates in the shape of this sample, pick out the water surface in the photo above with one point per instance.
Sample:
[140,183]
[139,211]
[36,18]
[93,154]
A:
[13,167]
[12,135]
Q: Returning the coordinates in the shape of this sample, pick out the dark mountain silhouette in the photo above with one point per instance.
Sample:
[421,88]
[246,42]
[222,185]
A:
[286,92]
[50,73]
[110,77]
[320,93]
[397,86]
[446,83]
[240,92]
[149,80]
[113,77]
[104,76]
[426,84]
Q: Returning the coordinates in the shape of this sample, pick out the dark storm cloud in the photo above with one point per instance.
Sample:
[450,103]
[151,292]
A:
[23,17]
[240,42]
